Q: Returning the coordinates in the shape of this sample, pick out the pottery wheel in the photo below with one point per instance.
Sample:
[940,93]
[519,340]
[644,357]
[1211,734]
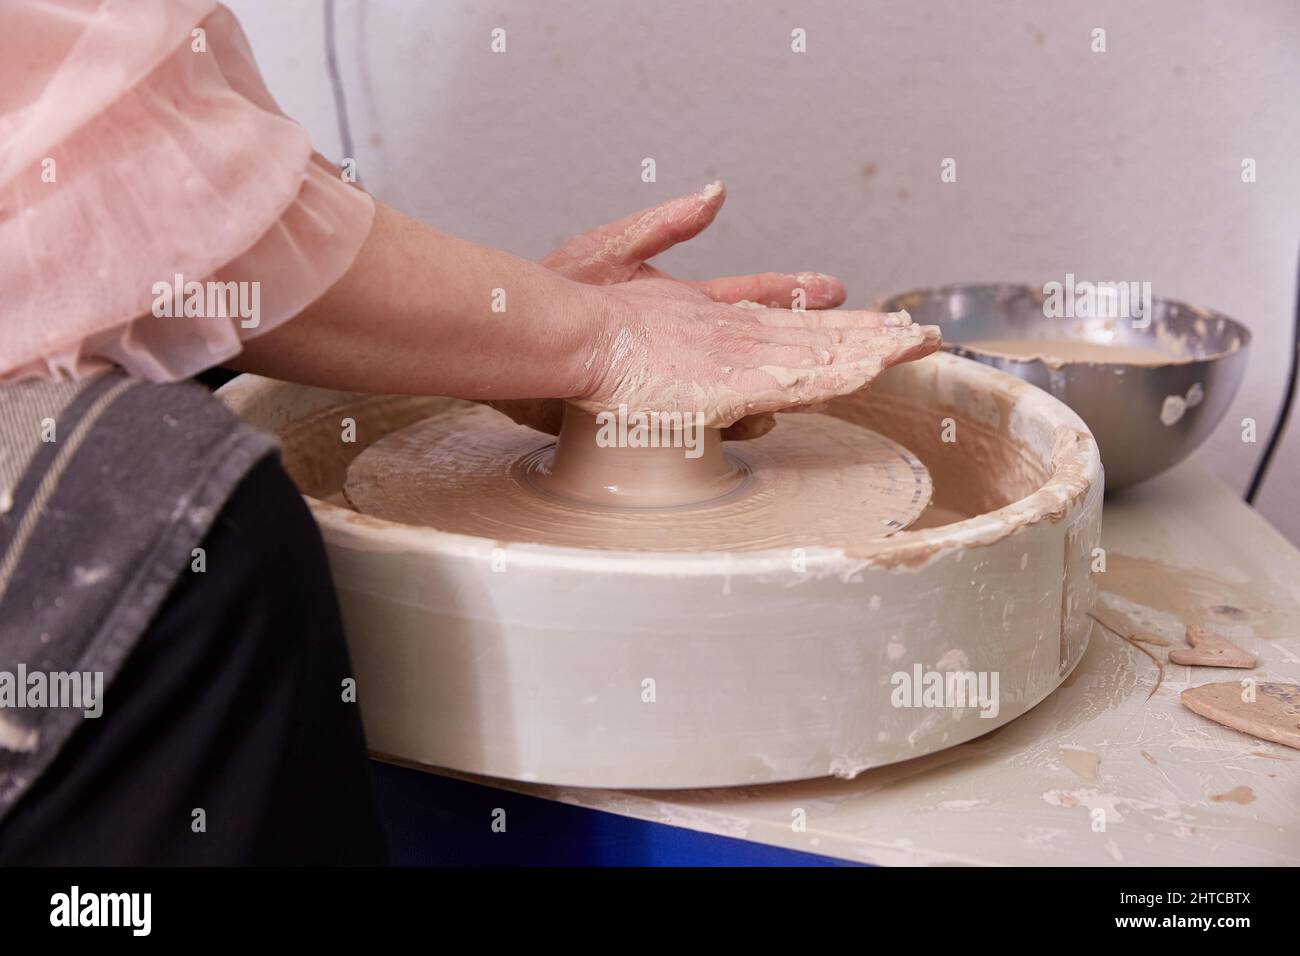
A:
[814,481]
[502,650]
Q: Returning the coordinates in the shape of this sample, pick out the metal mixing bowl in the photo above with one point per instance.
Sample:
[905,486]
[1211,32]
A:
[1145,418]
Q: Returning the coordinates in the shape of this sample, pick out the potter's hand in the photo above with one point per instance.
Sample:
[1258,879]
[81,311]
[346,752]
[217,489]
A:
[665,346]
[618,252]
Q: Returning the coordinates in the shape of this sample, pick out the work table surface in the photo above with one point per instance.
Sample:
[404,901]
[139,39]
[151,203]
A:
[1172,787]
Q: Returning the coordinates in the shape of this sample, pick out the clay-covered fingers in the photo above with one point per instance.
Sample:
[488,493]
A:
[831,318]
[931,342]
[613,252]
[774,388]
[803,376]
[778,290]
[805,348]
[667,346]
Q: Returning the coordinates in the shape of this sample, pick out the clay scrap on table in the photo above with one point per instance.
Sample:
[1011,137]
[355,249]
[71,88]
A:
[1210,650]
[1271,712]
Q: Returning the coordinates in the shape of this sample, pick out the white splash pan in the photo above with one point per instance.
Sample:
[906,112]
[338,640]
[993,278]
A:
[538,671]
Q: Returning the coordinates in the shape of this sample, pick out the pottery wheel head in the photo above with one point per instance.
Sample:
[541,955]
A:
[813,482]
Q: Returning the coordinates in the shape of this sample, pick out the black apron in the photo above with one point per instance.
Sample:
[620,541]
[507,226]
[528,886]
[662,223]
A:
[165,597]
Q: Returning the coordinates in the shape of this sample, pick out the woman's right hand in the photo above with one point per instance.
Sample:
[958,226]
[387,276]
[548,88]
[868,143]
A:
[665,346]
[619,253]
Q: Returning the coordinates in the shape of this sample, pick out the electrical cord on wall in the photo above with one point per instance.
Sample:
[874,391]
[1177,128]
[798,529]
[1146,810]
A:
[1287,403]
[336,84]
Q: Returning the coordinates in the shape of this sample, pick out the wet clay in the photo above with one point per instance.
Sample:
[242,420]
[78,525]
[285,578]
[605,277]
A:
[814,481]
[1084,763]
[1242,795]
[981,472]
[671,465]
[1197,596]
[1210,650]
[1273,713]
[1058,352]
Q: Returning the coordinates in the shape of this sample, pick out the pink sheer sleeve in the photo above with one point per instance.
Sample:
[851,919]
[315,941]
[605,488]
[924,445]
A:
[134,151]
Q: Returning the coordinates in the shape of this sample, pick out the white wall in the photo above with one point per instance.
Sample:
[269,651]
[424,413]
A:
[1122,165]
